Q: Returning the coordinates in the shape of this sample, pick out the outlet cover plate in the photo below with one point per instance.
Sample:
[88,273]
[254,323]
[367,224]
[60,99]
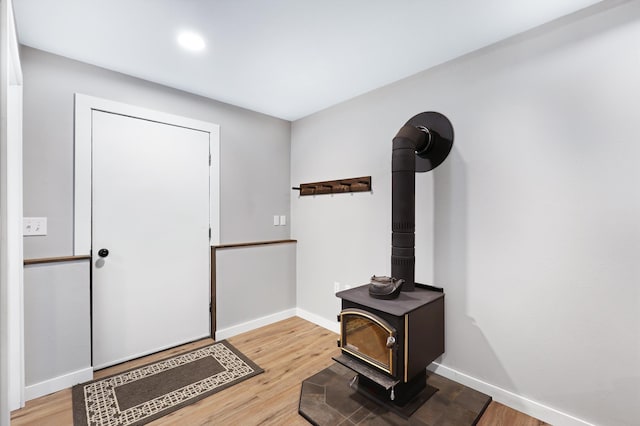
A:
[32,226]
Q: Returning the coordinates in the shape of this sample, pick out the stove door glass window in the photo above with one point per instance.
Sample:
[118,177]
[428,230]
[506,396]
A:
[368,337]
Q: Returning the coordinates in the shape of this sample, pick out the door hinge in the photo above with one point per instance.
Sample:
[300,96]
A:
[209,307]
[209,159]
[209,232]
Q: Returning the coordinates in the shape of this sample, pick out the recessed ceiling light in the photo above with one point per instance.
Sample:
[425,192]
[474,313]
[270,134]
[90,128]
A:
[191,41]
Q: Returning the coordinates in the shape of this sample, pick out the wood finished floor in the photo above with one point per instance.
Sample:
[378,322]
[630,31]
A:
[289,351]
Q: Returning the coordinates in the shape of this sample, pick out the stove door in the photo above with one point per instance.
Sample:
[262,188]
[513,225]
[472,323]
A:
[368,338]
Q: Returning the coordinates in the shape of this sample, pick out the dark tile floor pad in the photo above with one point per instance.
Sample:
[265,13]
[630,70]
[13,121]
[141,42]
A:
[326,399]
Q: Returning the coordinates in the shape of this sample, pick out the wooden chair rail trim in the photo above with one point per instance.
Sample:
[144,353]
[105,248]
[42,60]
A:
[214,249]
[254,243]
[55,259]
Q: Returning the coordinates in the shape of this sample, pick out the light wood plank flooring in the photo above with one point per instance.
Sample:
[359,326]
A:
[289,351]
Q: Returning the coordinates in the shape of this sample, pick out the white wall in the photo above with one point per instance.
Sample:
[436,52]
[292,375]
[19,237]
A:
[14,249]
[255,286]
[254,149]
[254,186]
[535,233]
[11,327]
[344,239]
[57,326]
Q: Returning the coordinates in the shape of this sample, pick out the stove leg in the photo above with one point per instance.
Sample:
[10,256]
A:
[353,381]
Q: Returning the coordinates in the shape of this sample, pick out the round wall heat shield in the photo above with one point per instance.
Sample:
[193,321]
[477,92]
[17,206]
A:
[440,132]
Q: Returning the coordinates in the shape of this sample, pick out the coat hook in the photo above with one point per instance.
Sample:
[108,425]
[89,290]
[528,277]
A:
[358,184]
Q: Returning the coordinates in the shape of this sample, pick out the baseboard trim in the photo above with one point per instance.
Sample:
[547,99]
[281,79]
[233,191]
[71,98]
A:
[234,330]
[503,396]
[57,383]
[510,399]
[318,320]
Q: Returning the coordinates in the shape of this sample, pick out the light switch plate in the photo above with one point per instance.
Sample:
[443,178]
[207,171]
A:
[32,226]
[276,220]
[283,220]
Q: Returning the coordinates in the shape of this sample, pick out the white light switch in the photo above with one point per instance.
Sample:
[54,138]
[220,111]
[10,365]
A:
[34,226]
[283,220]
[276,220]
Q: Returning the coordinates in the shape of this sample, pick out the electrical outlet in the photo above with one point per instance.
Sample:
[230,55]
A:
[34,226]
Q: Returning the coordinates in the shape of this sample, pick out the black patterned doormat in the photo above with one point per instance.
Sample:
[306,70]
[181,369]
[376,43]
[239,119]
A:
[140,395]
[326,399]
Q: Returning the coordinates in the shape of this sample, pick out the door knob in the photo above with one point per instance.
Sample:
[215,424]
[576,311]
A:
[103,252]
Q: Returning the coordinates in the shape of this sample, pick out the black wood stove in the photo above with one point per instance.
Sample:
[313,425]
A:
[390,339]
[390,343]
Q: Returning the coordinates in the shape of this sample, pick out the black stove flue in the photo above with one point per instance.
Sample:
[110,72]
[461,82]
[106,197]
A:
[420,146]
[389,341]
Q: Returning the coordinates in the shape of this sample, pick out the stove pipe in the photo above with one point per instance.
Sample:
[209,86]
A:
[420,145]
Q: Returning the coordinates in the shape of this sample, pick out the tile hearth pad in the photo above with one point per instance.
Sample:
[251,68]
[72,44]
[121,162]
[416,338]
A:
[326,399]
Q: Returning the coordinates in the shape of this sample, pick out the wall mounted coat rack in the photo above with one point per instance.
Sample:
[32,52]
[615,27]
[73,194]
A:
[361,184]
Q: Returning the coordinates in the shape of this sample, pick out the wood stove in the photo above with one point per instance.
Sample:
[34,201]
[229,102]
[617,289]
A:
[390,337]
[389,343]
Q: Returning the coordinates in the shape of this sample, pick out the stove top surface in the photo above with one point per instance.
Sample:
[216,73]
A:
[406,302]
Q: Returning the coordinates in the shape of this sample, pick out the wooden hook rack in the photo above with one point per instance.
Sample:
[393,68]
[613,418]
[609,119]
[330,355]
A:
[361,184]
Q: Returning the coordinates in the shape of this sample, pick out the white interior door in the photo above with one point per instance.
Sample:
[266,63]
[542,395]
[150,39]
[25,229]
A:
[150,210]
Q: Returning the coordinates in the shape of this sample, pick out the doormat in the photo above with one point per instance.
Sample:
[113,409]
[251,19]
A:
[327,399]
[142,394]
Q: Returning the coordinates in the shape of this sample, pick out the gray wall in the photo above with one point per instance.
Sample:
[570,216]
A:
[535,233]
[254,150]
[57,329]
[261,278]
[254,179]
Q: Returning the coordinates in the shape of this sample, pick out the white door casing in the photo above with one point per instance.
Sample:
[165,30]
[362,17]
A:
[152,307]
[84,105]
[11,254]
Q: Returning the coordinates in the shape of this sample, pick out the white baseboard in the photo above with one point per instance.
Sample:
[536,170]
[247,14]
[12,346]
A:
[510,399]
[318,320]
[225,333]
[58,383]
[503,396]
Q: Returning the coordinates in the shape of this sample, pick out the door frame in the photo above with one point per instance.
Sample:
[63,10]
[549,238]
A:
[84,105]
[12,374]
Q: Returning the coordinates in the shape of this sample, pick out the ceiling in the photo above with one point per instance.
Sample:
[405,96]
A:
[285,58]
